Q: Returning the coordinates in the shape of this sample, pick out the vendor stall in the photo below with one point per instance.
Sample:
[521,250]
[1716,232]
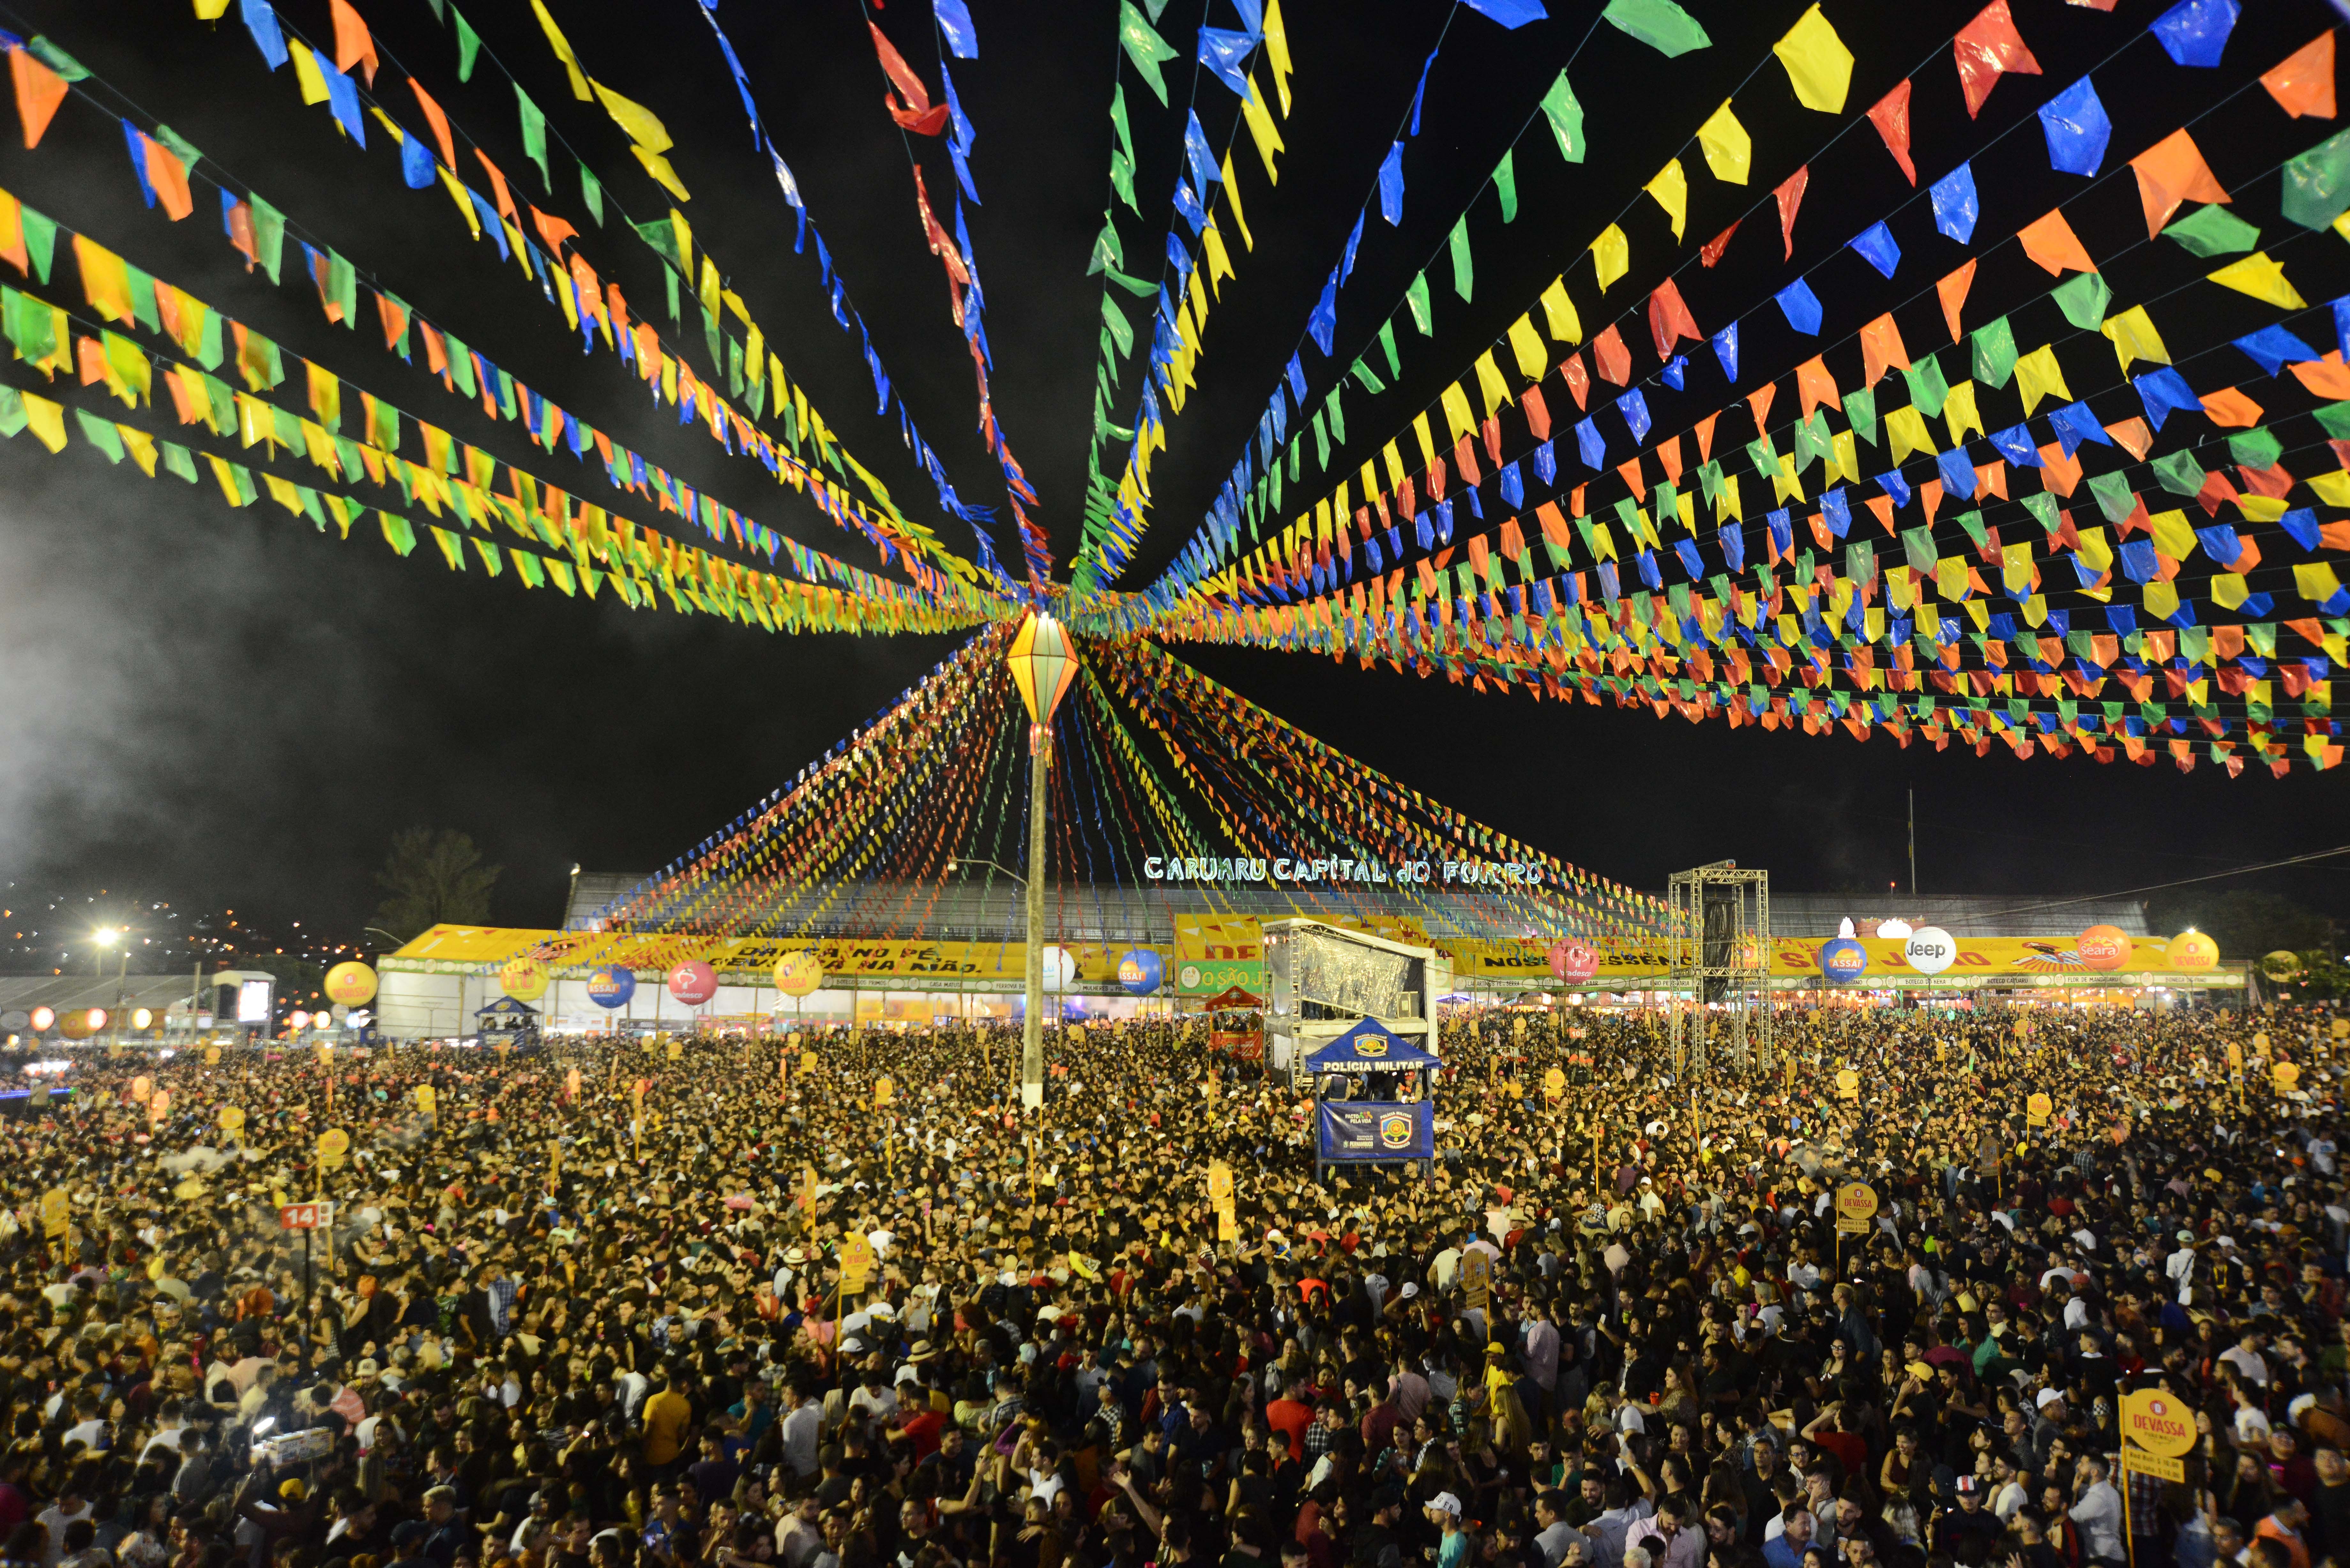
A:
[1236,1024]
[1372,1100]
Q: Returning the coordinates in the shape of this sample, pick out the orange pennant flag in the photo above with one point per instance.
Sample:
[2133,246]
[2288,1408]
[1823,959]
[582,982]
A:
[1881,349]
[169,177]
[2303,83]
[1952,290]
[2050,241]
[498,187]
[1759,402]
[39,90]
[1815,386]
[2170,171]
[353,44]
[438,121]
[554,231]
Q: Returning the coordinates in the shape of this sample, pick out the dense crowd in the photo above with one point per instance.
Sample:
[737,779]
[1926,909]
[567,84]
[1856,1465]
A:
[588,1312]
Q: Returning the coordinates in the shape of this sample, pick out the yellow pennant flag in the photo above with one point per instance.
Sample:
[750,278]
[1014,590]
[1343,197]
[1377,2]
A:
[1729,151]
[1558,313]
[1819,67]
[2037,375]
[562,46]
[2261,278]
[2134,337]
[1611,255]
[1670,189]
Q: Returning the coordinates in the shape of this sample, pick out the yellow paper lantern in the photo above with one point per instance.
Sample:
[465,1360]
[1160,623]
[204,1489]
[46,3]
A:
[1043,664]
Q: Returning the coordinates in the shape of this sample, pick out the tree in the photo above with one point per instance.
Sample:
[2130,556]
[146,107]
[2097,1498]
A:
[433,876]
[2245,923]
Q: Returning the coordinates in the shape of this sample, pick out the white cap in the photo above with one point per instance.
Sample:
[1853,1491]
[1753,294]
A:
[1445,1503]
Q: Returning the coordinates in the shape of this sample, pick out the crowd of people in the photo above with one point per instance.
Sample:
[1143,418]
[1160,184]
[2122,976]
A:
[608,1306]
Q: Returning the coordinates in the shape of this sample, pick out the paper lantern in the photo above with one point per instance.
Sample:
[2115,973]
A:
[2102,947]
[613,985]
[2193,950]
[82,1022]
[1043,664]
[1574,962]
[352,983]
[524,979]
[1930,949]
[1843,960]
[798,974]
[1141,971]
[694,982]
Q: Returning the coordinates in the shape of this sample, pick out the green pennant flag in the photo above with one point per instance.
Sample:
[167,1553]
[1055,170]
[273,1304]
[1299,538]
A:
[1144,47]
[1659,24]
[469,47]
[533,135]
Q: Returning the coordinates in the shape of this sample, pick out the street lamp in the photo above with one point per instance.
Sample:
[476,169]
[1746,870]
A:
[1043,662]
[961,864]
[106,937]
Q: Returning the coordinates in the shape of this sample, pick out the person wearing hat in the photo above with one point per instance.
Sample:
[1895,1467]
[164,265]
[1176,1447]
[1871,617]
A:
[1966,1531]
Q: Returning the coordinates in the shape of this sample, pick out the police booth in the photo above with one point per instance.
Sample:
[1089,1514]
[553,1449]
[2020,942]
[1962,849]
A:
[1372,1100]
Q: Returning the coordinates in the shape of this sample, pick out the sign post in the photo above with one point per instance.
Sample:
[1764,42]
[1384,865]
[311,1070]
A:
[1855,1206]
[2158,1434]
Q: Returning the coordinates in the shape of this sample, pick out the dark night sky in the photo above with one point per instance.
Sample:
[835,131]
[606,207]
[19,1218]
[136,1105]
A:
[220,708]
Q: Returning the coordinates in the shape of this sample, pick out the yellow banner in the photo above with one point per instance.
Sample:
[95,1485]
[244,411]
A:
[485,950]
[1224,950]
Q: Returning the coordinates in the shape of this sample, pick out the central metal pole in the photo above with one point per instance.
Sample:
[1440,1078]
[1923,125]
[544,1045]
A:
[1032,1033]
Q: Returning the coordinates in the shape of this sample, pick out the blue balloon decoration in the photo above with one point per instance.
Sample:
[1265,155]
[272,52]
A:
[611,987]
[1843,960]
[1141,971]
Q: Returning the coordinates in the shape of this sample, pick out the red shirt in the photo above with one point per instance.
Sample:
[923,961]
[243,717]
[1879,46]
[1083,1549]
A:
[922,1429]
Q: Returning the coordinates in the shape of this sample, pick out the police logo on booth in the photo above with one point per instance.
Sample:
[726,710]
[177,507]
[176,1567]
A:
[1395,1129]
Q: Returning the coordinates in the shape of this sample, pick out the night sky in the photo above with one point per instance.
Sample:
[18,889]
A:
[222,707]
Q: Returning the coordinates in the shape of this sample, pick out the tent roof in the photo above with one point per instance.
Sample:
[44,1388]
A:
[505,1007]
[1369,1048]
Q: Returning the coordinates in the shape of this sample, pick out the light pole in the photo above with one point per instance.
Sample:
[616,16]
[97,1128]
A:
[106,937]
[1043,661]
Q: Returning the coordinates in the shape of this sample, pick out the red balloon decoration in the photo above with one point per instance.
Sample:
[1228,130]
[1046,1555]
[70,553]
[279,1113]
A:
[1574,962]
[694,982]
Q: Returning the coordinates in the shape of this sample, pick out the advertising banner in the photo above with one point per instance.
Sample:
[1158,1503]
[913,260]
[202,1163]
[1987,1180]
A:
[1368,1130]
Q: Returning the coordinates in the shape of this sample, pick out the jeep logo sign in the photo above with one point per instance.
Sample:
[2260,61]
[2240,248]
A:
[1930,949]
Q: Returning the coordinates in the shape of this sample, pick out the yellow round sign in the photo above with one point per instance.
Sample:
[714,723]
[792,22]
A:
[232,1119]
[524,979]
[676,1050]
[2039,1106]
[1848,1084]
[428,1100]
[798,974]
[1855,1201]
[212,1055]
[807,1061]
[1554,1083]
[885,1091]
[139,1089]
[2285,1077]
[333,1145]
[2160,1423]
[352,983]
